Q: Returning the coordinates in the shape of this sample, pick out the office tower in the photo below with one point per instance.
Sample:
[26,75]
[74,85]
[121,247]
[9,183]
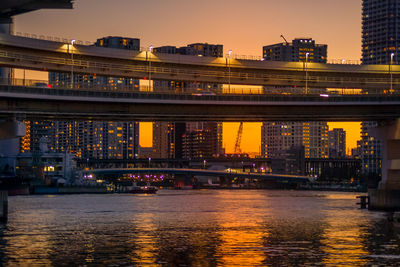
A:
[380,31]
[279,137]
[296,51]
[191,139]
[380,45]
[90,139]
[337,143]
[370,150]
[196,49]
[202,140]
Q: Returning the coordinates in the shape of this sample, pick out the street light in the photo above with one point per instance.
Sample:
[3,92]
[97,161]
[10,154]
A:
[229,70]
[307,54]
[149,162]
[150,50]
[204,164]
[72,62]
[391,73]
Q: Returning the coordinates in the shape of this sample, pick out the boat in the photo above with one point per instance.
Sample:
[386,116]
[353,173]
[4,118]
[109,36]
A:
[143,190]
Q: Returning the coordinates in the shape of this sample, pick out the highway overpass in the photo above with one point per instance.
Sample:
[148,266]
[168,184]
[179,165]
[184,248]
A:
[36,54]
[32,103]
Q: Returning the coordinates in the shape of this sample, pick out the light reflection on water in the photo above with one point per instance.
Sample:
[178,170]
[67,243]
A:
[198,228]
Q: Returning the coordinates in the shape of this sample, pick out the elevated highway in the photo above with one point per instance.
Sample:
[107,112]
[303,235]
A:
[35,54]
[34,103]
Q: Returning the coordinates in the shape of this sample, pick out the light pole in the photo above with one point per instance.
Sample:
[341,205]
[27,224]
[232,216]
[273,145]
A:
[149,162]
[204,164]
[391,73]
[150,51]
[307,54]
[229,71]
[72,63]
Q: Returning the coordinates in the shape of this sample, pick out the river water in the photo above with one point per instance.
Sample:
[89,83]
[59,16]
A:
[198,228]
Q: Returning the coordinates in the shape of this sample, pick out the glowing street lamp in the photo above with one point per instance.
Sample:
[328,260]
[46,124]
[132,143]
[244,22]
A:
[150,50]
[229,70]
[391,73]
[72,62]
[204,164]
[149,162]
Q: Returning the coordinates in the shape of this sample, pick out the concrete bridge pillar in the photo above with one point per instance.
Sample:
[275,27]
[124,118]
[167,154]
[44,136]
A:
[387,195]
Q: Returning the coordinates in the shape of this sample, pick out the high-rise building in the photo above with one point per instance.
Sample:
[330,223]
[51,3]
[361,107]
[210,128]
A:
[370,150]
[191,139]
[296,51]
[380,31]
[279,137]
[89,139]
[380,45]
[196,49]
[337,143]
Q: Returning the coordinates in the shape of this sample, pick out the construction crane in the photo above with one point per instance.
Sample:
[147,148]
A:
[283,37]
[239,139]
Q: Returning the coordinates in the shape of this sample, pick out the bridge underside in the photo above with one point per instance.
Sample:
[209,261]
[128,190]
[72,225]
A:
[169,107]
[9,8]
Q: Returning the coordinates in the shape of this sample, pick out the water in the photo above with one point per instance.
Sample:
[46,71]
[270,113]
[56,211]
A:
[198,228]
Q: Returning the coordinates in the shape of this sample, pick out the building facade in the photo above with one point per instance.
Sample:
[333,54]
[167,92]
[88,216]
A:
[279,137]
[337,143]
[296,51]
[89,139]
[380,31]
[190,139]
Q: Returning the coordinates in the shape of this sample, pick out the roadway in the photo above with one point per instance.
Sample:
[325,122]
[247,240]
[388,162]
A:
[201,172]
[36,54]
[33,103]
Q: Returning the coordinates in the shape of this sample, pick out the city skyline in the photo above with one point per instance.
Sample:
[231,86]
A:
[235,26]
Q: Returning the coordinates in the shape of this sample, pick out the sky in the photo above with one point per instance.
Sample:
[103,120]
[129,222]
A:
[241,26]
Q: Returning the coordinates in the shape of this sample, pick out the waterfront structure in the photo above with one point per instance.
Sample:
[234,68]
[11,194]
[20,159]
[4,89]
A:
[337,143]
[300,50]
[279,137]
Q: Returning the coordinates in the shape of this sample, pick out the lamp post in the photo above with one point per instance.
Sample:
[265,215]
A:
[307,54]
[229,71]
[150,51]
[72,63]
[149,162]
[391,73]
[204,164]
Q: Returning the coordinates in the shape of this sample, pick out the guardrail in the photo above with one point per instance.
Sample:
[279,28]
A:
[143,49]
[222,75]
[165,95]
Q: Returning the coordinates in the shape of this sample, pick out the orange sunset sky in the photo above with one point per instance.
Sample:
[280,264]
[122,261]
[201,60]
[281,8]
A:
[242,26]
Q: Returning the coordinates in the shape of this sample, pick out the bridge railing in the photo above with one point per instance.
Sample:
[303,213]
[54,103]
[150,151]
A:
[35,88]
[222,74]
[235,56]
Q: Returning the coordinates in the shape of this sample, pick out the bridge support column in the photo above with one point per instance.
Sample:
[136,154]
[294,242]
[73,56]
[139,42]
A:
[387,195]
